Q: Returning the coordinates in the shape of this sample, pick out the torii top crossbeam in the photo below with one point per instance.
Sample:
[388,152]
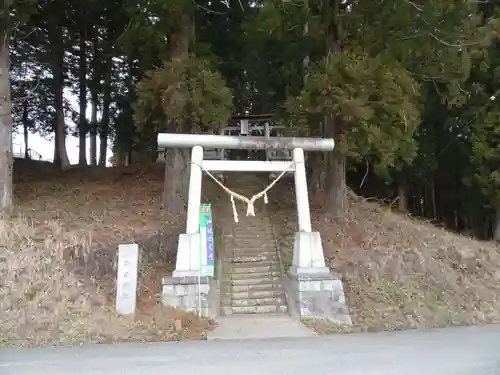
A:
[175,140]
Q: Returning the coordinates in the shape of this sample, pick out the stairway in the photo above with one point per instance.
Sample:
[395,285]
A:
[251,281]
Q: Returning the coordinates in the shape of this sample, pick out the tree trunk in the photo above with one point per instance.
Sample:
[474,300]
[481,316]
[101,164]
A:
[82,81]
[60,153]
[305,32]
[129,161]
[402,197]
[433,194]
[496,225]
[93,127]
[25,129]
[176,189]
[335,176]
[314,169]
[176,184]
[336,184]
[124,134]
[94,99]
[5,129]
[154,152]
[120,159]
[106,102]
[485,228]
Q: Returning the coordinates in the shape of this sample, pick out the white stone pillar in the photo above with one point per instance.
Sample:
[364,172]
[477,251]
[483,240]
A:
[222,151]
[302,196]
[267,134]
[308,255]
[188,247]
[194,197]
[244,128]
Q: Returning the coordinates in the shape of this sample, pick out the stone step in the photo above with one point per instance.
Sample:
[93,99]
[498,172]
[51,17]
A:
[248,280]
[267,309]
[255,242]
[258,301]
[262,259]
[252,248]
[255,287]
[265,288]
[247,260]
[252,251]
[252,275]
[254,294]
[253,239]
[271,258]
[265,297]
[263,270]
[260,220]
[255,246]
[268,239]
[252,228]
[249,238]
[239,256]
[257,229]
[252,268]
[253,258]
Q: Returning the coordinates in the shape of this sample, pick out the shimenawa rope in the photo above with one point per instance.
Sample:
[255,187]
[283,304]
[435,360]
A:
[250,202]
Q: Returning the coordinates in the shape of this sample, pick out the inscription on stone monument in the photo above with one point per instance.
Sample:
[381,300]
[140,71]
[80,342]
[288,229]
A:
[126,281]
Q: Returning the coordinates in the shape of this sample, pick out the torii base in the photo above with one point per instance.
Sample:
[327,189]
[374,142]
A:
[185,289]
[191,294]
[312,291]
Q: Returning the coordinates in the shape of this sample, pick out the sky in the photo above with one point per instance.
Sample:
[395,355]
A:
[45,147]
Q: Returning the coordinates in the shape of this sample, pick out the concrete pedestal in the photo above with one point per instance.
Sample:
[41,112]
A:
[317,296]
[185,293]
[184,289]
[312,291]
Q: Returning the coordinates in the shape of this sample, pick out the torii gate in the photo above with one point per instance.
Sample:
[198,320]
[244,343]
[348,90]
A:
[311,289]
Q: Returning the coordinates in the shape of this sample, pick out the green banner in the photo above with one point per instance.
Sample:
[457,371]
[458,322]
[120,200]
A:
[207,244]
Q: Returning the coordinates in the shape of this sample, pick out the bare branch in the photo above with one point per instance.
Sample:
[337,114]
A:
[366,174]
[416,6]
[30,94]
[210,10]
[464,91]
[456,45]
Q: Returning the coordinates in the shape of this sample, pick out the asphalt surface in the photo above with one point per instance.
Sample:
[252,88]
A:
[258,326]
[464,351]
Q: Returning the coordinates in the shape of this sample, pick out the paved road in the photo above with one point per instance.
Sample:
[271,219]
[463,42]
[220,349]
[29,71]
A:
[259,326]
[462,351]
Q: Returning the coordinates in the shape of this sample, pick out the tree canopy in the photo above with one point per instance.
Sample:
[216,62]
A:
[408,89]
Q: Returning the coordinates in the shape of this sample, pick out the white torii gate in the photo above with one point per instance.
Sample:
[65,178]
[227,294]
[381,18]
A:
[308,251]
[313,290]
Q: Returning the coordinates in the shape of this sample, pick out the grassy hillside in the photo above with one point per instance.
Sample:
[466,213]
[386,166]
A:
[57,257]
[399,272]
[57,260]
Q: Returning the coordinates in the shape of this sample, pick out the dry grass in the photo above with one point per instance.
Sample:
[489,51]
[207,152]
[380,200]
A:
[399,272]
[57,261]
[57,258]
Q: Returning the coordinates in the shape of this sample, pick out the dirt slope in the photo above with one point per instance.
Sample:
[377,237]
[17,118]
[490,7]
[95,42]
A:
[57,261]
[400,272]
[57,257]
